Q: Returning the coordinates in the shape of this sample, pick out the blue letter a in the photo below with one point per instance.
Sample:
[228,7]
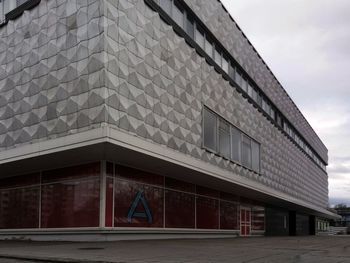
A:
[132,210]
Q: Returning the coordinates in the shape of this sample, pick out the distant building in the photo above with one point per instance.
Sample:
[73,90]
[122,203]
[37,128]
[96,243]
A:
[122,117]
[345,217]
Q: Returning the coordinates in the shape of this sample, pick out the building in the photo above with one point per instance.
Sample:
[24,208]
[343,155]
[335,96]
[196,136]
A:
[344,221]
[148,117]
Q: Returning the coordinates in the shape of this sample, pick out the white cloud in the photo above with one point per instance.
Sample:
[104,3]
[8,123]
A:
[306,44]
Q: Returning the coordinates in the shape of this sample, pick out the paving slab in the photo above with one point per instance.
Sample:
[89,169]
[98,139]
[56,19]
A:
[335,249]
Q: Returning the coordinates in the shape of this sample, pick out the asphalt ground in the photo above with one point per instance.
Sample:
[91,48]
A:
[332,249]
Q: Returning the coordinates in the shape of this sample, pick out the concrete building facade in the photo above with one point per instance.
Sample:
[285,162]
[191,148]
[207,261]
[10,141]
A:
[152,116]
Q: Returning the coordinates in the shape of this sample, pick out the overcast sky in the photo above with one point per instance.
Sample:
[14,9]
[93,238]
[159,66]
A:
[307,46]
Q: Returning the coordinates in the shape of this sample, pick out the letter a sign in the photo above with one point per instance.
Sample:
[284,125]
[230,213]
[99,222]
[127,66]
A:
[140,197]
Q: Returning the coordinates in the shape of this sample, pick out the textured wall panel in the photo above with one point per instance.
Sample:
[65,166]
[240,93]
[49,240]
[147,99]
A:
[157,86]
[226,31]
[68,66]
[51,59]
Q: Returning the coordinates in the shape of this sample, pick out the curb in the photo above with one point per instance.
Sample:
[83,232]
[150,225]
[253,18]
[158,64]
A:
[54,260]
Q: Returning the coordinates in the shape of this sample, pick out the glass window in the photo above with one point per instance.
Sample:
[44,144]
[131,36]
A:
[190,26]
[255,156]
[292,133]
[235,144]
[254,95]
[179,209]
[225,64]
[258,218]
[246,152]
[259,99]
[224,138]
[19,202]
[266,106]
[20,2]
[2,14]
[238,77]
[250,90]
[9,5]
[244,85]
[272,113]
[228,215]
[178,14]
[71,203]
[209,47]
[130,192]
[210,130]
[199,36]
[231,71]
[279,120]
[217,56]
[207,213]
[166,6]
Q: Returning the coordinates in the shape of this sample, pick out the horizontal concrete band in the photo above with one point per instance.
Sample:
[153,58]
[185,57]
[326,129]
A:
[115,234]
[115,137]
[119,230]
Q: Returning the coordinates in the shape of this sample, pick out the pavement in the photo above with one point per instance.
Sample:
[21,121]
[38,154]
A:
[332,249]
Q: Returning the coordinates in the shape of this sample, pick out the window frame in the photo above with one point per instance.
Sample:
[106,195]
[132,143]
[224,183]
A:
[177,5]
[244,85]
[190,21]
[216,131]
[244,136]
[198,28]
[239,133]
[222,120]
[211,42]
[226,60]
[259,155]
[218,51]
[165,10]
[232,71]
[241,136]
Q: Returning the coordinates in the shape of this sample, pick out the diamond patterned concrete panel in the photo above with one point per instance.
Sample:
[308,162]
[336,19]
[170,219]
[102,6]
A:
[68,66]
[228,33]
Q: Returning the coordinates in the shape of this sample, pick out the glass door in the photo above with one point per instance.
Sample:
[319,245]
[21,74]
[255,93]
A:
[245,221]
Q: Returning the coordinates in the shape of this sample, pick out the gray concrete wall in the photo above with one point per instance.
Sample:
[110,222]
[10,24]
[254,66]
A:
[51,64]
[69,66]
[159,86]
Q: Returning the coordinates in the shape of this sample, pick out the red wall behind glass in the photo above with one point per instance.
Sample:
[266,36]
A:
[207,213]
[176,204]
[19,201]
[70,197]
[109,202]
[19,208]
[228,215]
[126,193]
[71,204]
[179,209]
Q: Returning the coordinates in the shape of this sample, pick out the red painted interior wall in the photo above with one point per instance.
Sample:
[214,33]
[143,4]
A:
[70,198]
[177,204]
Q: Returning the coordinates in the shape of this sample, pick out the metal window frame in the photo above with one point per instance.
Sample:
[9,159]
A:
[216,130]
[13,14]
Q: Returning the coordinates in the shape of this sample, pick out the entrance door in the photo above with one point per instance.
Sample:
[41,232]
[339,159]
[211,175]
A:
[245,221]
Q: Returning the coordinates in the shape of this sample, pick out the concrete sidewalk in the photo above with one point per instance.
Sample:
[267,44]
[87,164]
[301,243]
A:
[264,249]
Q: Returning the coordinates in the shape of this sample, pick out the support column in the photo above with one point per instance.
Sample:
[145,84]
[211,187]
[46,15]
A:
[312,225]
[292,223]
[103,175]
[109,204]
